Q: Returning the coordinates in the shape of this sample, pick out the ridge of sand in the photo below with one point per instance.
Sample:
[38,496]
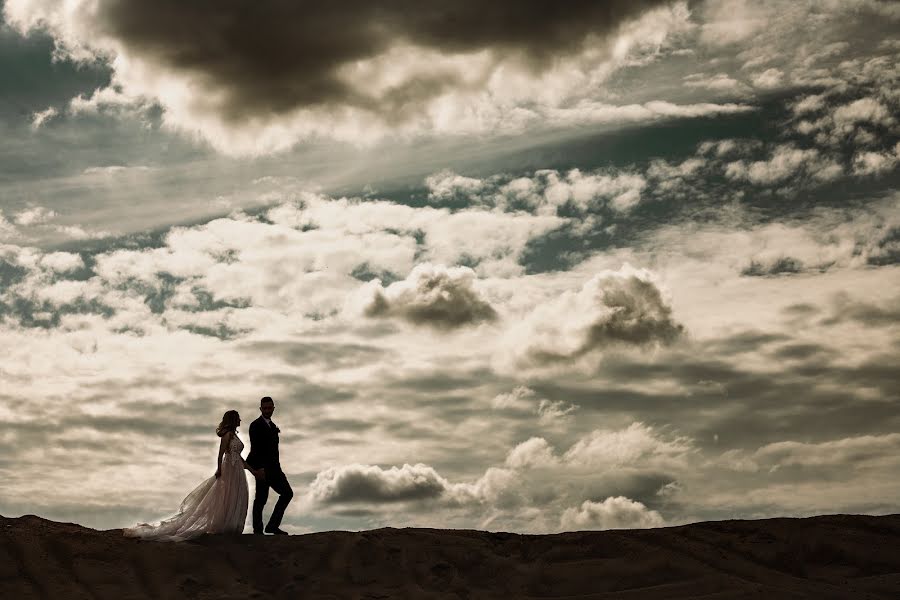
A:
[836,556]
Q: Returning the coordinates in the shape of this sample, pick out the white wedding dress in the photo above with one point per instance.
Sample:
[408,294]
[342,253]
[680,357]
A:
[218,505]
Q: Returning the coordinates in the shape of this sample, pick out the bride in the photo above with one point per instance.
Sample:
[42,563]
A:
[219,504]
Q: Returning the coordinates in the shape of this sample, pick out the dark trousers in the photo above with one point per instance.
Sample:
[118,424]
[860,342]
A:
[276,480]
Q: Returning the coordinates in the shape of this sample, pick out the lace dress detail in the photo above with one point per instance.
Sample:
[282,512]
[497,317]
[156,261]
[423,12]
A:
[217,505]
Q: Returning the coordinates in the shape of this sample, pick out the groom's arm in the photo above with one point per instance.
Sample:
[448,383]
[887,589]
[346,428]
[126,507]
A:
[255,439]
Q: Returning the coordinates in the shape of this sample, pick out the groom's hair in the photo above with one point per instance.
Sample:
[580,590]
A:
[265,399]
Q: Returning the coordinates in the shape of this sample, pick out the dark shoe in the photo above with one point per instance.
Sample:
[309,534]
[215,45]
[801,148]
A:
[257,532]
[276,531]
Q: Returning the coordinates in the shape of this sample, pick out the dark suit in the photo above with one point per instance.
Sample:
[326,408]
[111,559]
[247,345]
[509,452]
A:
[264,454]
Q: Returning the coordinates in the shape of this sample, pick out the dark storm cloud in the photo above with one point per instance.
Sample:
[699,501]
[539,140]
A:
[271,57]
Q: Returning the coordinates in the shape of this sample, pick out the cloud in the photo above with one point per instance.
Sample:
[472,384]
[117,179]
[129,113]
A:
[114,171]
[638,444]
[809,104]
[370,483]
[418,483]
[273,70]
[864,110]
[717,82]
[616,512]
[38,119]
[876,163]
[532,478]
[545,192]
[534,452]
[35,215]
[589,112]
[785,163]
[858,452]
[731,21]
[854,452]
[554,410]
[62,261]
[768,79]
[521,397]
[109,100]
[434,295]
[447,185]
[778,266]
[837,119]
[7,229]
[621,190]
[729,147]
[867,313]
[829,239]
[613,308]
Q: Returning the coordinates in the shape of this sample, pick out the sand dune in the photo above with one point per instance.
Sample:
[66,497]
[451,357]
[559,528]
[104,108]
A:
[821,557]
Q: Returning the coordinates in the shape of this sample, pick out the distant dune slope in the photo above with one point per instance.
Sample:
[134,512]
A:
[824,557]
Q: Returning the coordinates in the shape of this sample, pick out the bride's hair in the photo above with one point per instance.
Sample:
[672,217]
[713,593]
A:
[229,423]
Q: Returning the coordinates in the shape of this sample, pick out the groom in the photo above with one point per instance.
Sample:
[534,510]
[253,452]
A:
[264,454]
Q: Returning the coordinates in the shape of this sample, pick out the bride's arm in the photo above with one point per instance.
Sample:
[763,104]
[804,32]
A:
[223,448]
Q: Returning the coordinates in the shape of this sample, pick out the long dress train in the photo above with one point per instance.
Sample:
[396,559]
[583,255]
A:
[217,505]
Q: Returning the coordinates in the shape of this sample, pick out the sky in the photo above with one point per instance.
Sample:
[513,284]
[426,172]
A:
[515,266]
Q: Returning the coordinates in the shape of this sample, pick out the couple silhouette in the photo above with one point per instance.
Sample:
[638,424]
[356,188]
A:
[219,504]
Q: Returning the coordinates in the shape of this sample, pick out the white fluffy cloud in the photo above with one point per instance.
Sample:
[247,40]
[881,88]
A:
[446,185]
[786,162]
[864,110]
[876,163]
[521,397]
[768,79]
[40,117]
[507,493]
[534,452]
[615,512]
[638,444]
[62,261]
[34,215]
[613,308]
[546,191]
[369,483]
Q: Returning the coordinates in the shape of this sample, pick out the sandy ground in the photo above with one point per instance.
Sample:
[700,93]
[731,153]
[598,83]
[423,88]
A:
[842,556]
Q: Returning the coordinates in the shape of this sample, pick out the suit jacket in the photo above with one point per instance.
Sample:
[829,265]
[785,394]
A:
[263,445]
